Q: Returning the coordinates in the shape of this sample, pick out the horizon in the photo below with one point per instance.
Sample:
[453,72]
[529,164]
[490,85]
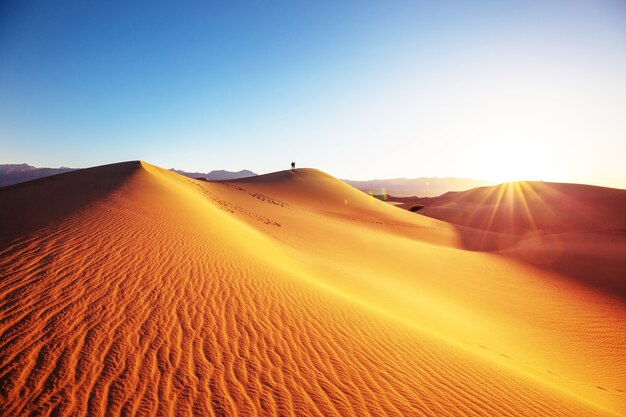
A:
[486,91]
[207,171]
[130,289]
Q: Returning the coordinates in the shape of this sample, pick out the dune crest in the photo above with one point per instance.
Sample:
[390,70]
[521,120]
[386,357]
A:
[131,290]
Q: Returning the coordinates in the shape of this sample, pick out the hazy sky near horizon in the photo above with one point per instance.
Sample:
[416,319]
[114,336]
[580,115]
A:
[498,90]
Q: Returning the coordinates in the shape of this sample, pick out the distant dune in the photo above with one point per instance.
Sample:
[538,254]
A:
[422,187]
[578,230]
[525,207]
[128,289]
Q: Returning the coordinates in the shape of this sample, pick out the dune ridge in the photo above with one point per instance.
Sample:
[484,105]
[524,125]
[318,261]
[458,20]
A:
[140,292]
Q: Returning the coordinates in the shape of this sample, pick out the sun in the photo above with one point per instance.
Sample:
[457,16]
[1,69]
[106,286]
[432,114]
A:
[507,161]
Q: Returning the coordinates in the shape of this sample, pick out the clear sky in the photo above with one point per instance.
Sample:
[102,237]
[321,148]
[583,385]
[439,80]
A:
[493,90]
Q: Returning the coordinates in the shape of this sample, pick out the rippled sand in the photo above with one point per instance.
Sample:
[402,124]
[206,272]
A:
[130,290]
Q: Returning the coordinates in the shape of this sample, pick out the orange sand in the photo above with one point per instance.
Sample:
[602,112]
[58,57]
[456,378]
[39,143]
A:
[130,290]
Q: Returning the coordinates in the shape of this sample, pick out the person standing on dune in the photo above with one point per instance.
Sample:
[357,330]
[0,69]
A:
[293,166]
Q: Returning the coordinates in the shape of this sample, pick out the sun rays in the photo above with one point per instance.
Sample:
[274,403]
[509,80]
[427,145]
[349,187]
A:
[512,208]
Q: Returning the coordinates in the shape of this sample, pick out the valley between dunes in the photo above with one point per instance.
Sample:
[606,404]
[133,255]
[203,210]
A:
[130,290]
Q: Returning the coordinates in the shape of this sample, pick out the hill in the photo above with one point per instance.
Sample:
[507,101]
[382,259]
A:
[578,230]
[16,173]
[524,207]
[128,289]
[217,175]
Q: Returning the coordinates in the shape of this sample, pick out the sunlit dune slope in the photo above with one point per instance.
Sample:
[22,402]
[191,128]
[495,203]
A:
[576,230]
[130,290]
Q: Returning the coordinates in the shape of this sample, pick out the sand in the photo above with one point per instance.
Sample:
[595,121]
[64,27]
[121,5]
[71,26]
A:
[576,230]
[131,290]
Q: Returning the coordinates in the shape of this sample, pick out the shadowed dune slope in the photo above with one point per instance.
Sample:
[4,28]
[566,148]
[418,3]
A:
[576,230]
[29,206]
[529,206]
[142,292]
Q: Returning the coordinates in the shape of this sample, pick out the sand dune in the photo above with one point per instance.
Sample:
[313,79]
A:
[530,206]
[576,230]
[131,290]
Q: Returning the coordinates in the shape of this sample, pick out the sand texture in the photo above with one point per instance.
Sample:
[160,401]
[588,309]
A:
[131,290]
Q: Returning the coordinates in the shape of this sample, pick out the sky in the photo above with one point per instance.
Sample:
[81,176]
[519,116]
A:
[494,90]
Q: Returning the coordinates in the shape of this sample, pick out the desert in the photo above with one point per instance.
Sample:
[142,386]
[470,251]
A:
[127,289]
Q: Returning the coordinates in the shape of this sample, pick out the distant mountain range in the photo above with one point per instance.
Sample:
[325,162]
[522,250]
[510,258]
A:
[217,175]
[15,173]
[422,187]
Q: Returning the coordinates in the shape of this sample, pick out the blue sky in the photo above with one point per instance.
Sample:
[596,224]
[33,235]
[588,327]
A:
[494,89]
